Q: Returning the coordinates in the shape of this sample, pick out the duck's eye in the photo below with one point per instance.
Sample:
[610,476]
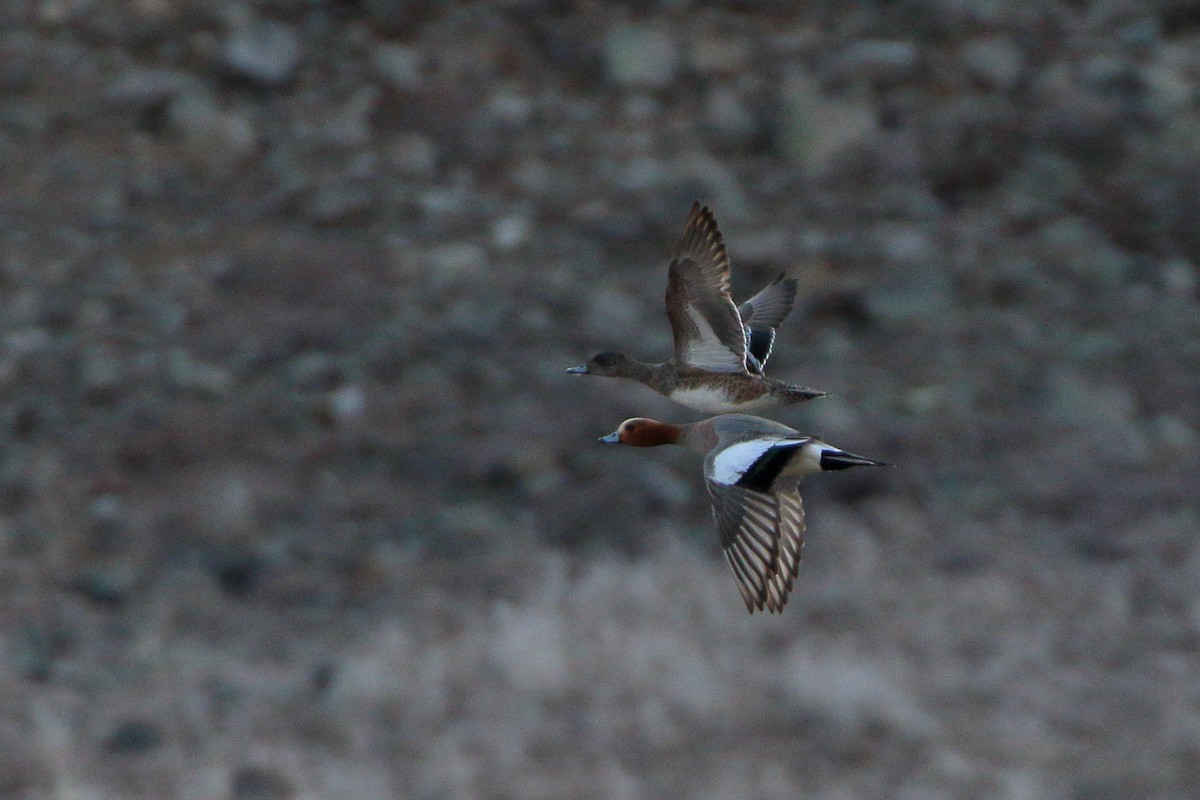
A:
[631,427]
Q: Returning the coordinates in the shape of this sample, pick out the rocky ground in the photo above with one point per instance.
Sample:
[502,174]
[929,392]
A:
[296,500]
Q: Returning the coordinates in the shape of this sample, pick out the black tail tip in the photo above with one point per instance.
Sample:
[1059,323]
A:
[837,459]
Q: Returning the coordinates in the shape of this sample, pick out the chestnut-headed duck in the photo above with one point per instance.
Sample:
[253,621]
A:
[752,469]
[720,349]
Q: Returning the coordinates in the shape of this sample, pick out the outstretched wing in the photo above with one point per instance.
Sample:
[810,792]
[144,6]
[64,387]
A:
[705,323]
[762,535]
[762,316]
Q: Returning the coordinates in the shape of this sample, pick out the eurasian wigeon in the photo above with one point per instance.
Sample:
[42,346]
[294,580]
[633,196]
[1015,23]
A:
[720,349]
[752,468]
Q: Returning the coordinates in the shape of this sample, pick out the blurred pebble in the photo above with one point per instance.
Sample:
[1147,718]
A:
[212,137]
[108,586]
[907,244]
[349,125]
[314,371]
[187,374]
[611,310]
[259,783]
[812,128]
[1084,249]
[400,65]
[339,202]
[262,51]
[727,119]
[717,53]
[1107,409]
[511,106]
[765,246]
[455,262]
[662,486]
[1180,278]
[1173,433]
[101,375]
[534,176]
[509,233]
[412,155]
[105,510]
[474,519]
[390,17]
[347,404]
[875,61]
[142,89]
[994,61]
[915,295]
[133,736]
[641,56]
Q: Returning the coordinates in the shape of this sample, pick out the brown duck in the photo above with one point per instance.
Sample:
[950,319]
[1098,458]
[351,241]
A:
[720,349]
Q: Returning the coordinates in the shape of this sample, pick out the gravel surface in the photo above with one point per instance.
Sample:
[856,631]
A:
[297,501]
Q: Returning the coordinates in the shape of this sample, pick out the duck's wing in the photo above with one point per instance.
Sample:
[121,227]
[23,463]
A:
[763,314]
[762,534]
[706,325]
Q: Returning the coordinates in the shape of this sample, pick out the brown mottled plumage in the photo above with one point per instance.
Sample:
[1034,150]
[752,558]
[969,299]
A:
[720,349]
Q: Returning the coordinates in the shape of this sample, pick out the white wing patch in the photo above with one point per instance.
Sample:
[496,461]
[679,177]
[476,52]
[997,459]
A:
[730,464]
[707,351]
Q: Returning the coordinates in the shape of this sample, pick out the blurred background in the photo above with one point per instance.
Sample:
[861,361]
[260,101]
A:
[297,500]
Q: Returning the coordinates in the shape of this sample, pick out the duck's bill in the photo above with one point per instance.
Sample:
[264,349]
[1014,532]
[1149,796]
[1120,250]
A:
[580,370]
[612,438]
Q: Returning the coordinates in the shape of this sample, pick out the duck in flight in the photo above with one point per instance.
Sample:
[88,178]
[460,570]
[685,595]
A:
[752,469]
[720,349]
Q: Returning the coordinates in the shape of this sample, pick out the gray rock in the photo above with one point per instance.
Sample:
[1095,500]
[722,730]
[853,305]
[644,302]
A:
[212,136]
[339,202]
[262,51]
[390,17]
[1078,401]
[916,294]
[1170,77]
[641,56]
[133,736]
[412,155]
[812,128]
[259,783]
[875,61]
[314,371]
[994,61]
[717,53]
[399,65]
[189,375]
[455,262]
[1172,433]
[349,125]
[101,375]
[510,232]
[142,89]
[1180,278]
[728,120]
[1084,249]
[663,486]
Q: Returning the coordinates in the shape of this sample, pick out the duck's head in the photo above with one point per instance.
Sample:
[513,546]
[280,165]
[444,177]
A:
[643,432]
[606,364]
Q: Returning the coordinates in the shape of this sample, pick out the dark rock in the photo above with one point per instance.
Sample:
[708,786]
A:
[259,783]
[133,737]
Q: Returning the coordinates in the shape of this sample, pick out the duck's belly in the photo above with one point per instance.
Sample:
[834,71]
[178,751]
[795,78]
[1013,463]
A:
[716,400]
